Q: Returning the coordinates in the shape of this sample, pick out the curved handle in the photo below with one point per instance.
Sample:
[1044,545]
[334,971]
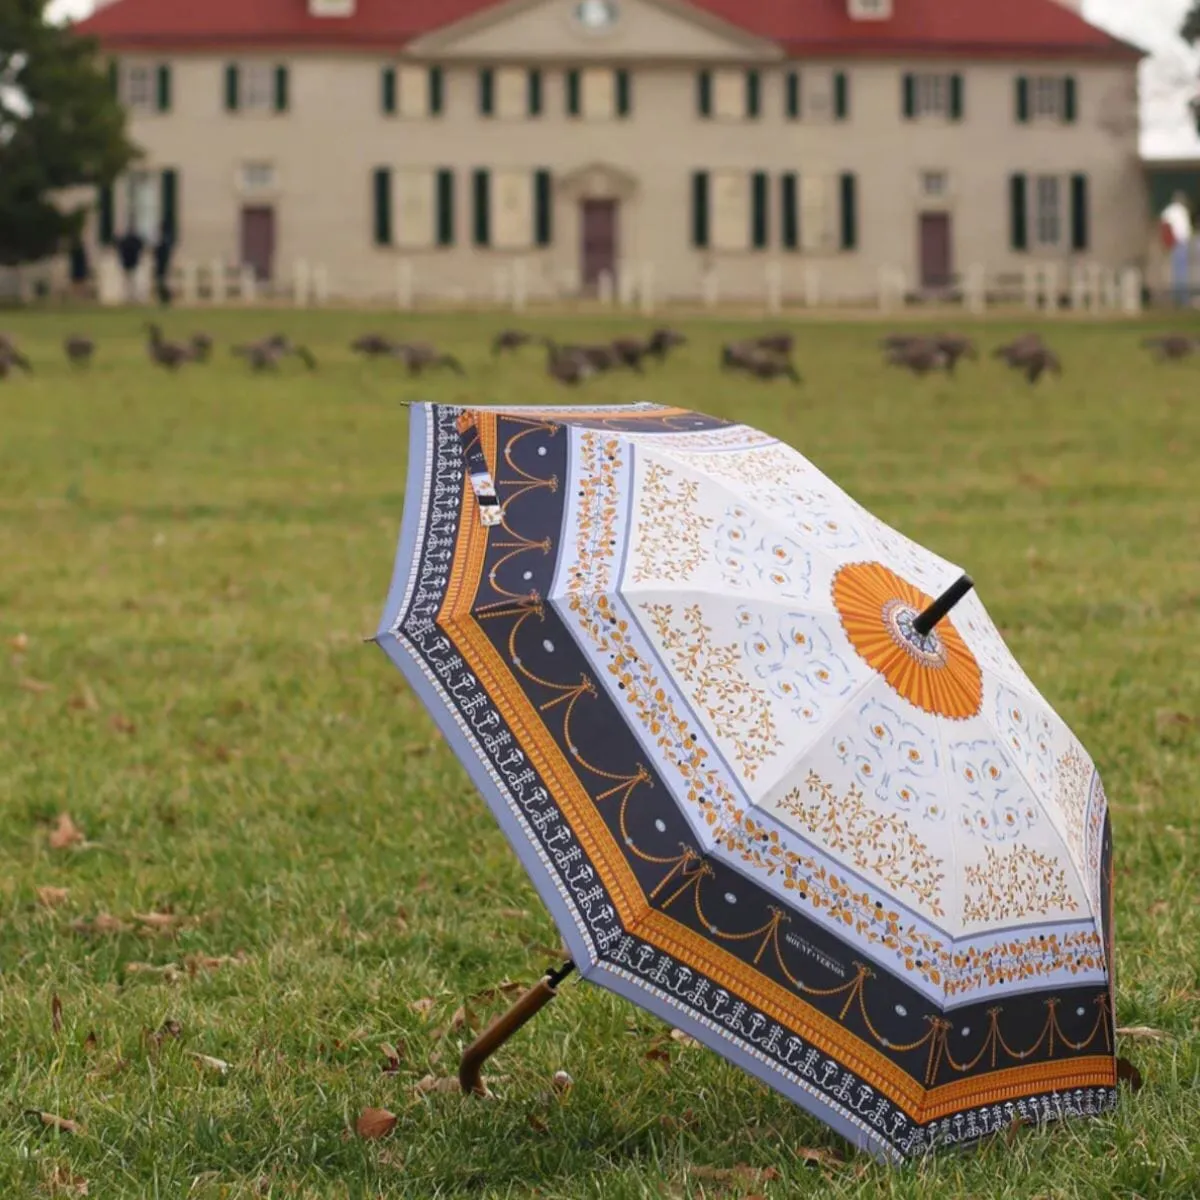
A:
[499,1031]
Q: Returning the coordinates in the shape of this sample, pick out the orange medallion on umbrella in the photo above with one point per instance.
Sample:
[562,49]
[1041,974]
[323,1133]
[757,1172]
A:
[934,671]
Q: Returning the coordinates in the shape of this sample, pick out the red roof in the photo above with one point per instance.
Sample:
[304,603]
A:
[1014,28]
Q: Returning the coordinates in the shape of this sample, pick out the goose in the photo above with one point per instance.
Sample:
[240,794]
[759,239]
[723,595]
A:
[287,348]
[170,355]
[566,365]
[956,347]
[417,356]
[629,352]
[1015,353]
[919,356]
[1171,346]
[262,356]
[373,345]
[662,341]
[776,343]
[201,345]
[1039,362]
[508,340]
[78,349]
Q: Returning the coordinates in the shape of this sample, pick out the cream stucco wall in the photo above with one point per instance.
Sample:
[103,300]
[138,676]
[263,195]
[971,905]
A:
[334,135]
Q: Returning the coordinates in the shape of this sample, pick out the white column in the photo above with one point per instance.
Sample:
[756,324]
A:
[404,284]
[520,284]
[773,281]
[710,288]
[627,284]
[1051,280]
[1079,289]
[143,279]
[247,284]
[570,281]
[646,291]
[301,282]
[187,281]
[218,284]
[605,287]
[1131,291]
[812,285]
[1095,286]
[320,284]
[891,288]
[110,284]
[1033,286]
[976,288]
[1112,289]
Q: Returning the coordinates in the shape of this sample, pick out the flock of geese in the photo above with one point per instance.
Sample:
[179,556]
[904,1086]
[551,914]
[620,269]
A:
[766,357]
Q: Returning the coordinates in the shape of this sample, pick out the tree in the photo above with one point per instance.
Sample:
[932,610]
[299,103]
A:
[1190,29]
[61,128]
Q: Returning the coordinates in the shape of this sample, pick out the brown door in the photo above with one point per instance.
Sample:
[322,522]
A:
[598,221]
[937,267]
[258,241]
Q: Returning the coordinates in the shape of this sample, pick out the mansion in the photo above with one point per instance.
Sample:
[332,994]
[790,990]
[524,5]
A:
[594,138]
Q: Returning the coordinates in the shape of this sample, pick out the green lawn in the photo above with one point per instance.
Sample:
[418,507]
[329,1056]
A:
[190,564]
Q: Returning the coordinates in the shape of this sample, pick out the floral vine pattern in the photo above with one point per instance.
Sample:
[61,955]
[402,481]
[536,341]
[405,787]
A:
[671,534]
[1015,883]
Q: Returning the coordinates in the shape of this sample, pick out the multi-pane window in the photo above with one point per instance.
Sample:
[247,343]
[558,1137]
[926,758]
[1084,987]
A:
[1047,210]
[1046,96]
[934,184]
[258,176]
[139,90]
[257,86]
[143,198]
[932,95]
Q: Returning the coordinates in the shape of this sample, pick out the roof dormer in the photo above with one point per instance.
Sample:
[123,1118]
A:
[869,10]
[331,8]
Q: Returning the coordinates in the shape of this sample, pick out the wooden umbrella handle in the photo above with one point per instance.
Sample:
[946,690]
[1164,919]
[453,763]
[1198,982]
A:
[500,1030]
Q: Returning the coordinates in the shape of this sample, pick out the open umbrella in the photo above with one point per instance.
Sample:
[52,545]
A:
[768,762]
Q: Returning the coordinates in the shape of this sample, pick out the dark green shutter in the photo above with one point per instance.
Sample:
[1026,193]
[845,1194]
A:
[543,209]
[704,93]
[789,226]
[759,216]
[910,96]
[956,97]
[445,207]
[849,191]
[1070,100]
[383,206]
[535,92]
[624,94]
[573,92]
[388,83]
[281,89]
[487,91]
[753,93]
[164,88]
[841,96]
[1079,213]
[482,197]
[1023,99]
[1018,203]
[231,87]
[169,185]
[437,91]
[114,77]
[792,95]
[700,209]
[104,215]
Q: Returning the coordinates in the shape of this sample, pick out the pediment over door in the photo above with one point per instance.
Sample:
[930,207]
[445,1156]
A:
[609,30]
[597,181]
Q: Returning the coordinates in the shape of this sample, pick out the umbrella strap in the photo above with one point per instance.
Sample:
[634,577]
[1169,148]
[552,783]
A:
[490,510]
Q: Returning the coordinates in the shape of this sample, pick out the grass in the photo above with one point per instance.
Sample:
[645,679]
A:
[189,565]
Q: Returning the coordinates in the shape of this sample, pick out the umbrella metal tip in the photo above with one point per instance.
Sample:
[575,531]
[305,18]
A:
[940,608]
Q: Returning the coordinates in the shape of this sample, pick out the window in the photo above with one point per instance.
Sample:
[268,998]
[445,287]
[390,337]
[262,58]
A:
[933,95]
[818,213]
[258,176]
[729,94]
[414,208]
[139,87]
[1047,97]
[730,216]
[598,94]
[1047,210]
[513,208]
[412,91]
[143,197]
[815,94]
[934,184]
[510,92]
[257,86]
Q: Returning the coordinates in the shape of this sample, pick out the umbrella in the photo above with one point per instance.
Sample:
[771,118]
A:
[768,762]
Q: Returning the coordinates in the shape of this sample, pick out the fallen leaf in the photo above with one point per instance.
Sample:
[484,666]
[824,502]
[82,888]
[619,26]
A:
[1165,719]
[562,1082]
[822,1158]
[1127,1072]
[215,1064]
[401,919]
[90,1042]
[170,972]
[51,897]
[375,1123]
[437,1083]
[157,920]
[63,1183]
[657,1054]
[65,833]
[1142,1033]
[392,1058]
[206,962]
[684,1039]
[103,923]
[506,987]
[120,724]
[423,1007]
[513,914]
[19,643]
[36,686]
[54,1122]
[170,1028]
[56,1013]
[538,1123]
[84,700]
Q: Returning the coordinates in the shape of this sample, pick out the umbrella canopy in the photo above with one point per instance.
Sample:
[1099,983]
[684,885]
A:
[859,856]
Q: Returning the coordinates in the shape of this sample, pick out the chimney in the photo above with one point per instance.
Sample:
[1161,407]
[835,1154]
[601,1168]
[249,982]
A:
[869,10]
[331,8]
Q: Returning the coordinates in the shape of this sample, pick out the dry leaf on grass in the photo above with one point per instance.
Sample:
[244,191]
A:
[158,920]
[84,700]
[1165,720]
[63,1183]
[206,962]
[36,686]
[463,1018]
[392,1057]
[513,914]
[51,897]
[1142,1033]
[90,1042]
[423,1007]
[169,1029]
[657,1054]
[684,1039]
[506,987]
[56,1013]
[52,1121]
[65,833]
[375,1123]
[214,1064]
[830,1159]
[121,724]
[19,643]
[168,972]
[103,923]
[437,1083]
[538,1123]
[562,1082]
